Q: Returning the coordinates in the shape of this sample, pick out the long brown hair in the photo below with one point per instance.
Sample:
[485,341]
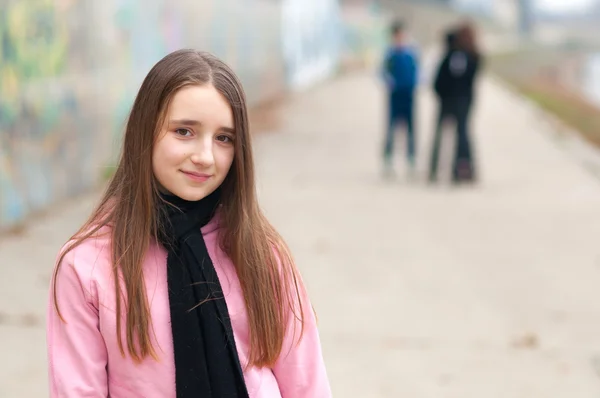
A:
[269,280]
[466,38]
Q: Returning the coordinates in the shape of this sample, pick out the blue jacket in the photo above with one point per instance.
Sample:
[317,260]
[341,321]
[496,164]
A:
[400,69]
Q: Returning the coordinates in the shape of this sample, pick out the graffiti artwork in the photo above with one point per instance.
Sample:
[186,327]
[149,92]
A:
[33,49]
[310,39]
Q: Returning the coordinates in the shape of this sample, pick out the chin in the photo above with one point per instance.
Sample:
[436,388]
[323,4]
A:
[193,195]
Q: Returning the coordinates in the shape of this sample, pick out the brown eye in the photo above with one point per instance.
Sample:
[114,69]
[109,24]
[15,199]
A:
[183,132]
[224,138]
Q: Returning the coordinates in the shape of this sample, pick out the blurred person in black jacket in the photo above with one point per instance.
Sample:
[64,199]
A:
[454,86]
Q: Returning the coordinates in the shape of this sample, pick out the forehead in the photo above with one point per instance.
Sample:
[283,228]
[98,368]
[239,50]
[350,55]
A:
[203,103]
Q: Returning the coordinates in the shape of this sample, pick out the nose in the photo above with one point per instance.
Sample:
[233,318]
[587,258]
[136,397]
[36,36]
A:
[203,151]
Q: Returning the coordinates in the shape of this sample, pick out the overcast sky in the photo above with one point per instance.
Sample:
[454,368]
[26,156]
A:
[563,5]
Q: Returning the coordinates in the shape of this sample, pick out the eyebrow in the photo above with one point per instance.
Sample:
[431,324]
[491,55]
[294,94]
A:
[195,123]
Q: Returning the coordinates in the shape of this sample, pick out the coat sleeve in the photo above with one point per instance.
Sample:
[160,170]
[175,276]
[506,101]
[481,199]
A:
[415,67]
[442,77]
[300,370]
[77,355]
[385,71]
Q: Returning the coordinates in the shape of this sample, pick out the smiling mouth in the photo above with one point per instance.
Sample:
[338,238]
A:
[199,177]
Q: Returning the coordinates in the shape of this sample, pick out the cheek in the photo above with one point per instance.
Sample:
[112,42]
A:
[224,158]
[167,154]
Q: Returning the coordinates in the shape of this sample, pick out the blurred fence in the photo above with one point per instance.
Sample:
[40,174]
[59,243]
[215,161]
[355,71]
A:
[69,70]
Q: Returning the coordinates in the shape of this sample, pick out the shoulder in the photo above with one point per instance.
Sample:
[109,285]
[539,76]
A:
[409,53]
[476,58]
[390,53]
[89,259]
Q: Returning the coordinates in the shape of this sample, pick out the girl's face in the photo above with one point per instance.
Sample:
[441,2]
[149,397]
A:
[194,150]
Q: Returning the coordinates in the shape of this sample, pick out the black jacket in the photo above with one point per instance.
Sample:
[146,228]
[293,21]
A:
[456,74]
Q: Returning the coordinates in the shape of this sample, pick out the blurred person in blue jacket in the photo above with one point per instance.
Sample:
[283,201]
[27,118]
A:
[400,73]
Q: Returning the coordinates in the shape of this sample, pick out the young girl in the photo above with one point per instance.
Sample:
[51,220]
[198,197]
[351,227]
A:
[177,286]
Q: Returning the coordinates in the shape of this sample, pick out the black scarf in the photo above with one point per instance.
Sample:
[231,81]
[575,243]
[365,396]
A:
[206,359]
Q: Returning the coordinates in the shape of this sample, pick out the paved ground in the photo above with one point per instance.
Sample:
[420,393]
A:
[421,291]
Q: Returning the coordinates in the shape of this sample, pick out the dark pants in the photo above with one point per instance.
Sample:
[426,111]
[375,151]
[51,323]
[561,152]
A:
[400,111]
[454,110]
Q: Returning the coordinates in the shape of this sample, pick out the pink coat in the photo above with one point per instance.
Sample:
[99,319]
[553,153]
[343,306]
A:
[84,358]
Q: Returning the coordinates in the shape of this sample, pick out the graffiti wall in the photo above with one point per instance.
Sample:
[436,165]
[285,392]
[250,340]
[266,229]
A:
[310,36]
[69,70]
